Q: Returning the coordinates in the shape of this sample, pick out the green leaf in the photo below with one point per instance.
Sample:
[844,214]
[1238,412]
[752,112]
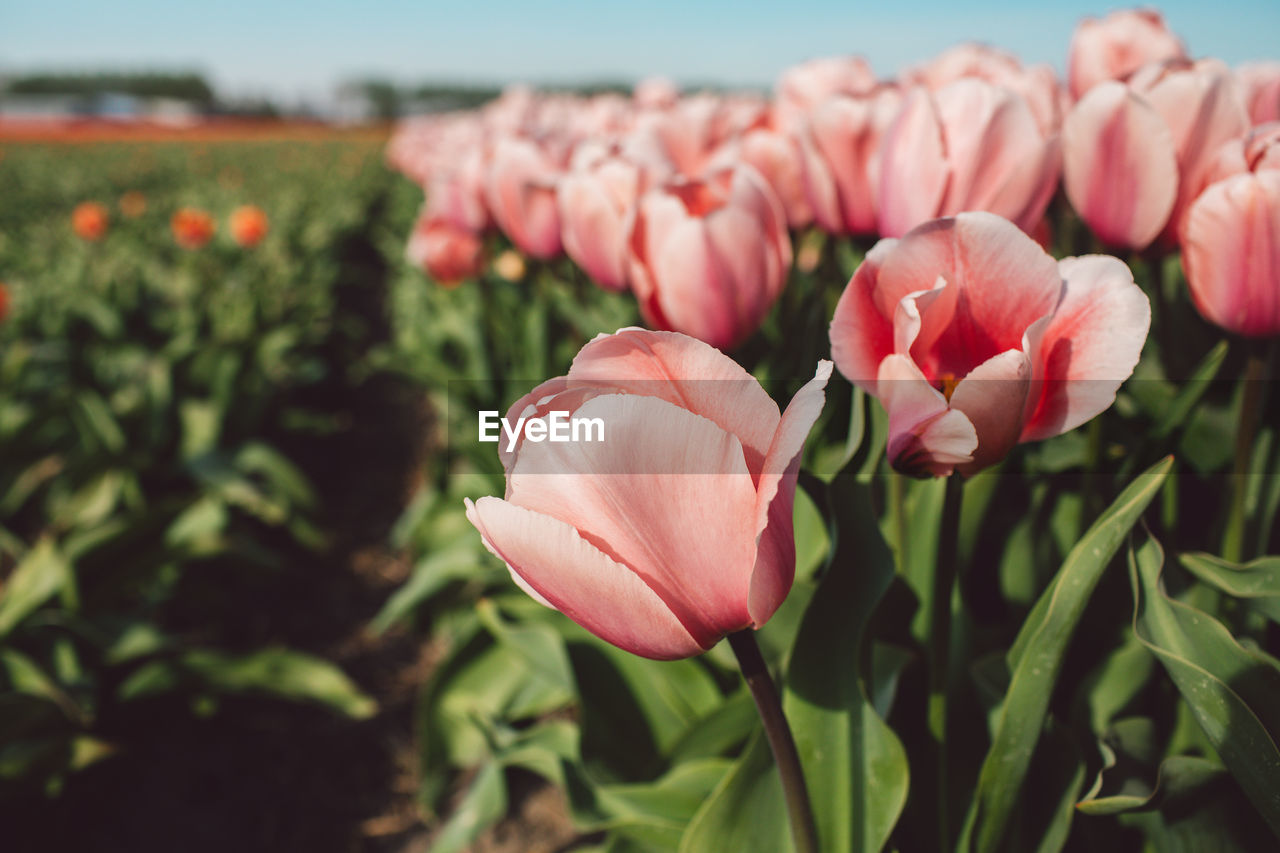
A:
[484,805]
[746,812]
[1258,581]
[42,573]
[540,647]
[1036,658]
[429,576]
[279,672]
[1234,692]
[1190,393]
[855,764]
[1181,777]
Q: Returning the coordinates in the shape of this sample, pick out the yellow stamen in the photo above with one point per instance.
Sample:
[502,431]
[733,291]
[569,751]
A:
[949,383]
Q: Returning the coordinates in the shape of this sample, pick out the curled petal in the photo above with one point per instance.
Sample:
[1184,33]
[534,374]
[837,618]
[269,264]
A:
[925,436]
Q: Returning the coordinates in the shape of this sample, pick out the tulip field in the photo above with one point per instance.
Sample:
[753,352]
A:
[876,463]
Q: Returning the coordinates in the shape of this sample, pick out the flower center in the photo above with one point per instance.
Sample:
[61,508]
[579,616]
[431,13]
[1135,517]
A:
[949,383]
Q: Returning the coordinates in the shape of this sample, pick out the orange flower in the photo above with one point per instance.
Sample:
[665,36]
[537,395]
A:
[248,225]
[133,204]
[89,221]
[192,227]
[4,302]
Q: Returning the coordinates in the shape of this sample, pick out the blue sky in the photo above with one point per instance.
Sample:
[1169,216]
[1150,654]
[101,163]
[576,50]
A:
[297,48]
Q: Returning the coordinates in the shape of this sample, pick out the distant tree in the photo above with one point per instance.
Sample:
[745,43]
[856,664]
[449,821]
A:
[183,86]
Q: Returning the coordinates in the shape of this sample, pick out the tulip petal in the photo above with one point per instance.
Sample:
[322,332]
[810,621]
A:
[776,550]
[925,436]
[579,580]
[688,373]
[1120,167]
[1232,253]
[1087,348]
[992,397]
[914,171]
[861,332]
[667,493]
[1005,283]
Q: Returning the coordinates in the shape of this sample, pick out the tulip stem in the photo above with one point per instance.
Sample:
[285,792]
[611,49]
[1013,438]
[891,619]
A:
[1255,379]
[781,743]
[944,577]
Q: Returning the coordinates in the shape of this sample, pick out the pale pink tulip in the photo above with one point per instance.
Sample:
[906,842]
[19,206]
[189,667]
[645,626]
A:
[1119,44]
[597,202]
[842,159]
[655,93]
[444,251]
[975,339]
[709,257]
[458,193]
[1258,151]
[679,140]
[803,87]
[1231,253]
[521,195]
[969,146]
[676,529]
[776,156]
[1260,82]
[1134,154]
[1038,84]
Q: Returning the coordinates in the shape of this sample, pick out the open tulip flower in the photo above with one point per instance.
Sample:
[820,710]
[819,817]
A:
[975,339]
[675,529]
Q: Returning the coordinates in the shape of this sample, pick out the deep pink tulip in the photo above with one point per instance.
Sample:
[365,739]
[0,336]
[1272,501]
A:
[709,257]
[444,251]
[521,196]
[1119,44]
[975,339]
[969,146]
[597,202]
[676,529]
[842,159]
[1260,82]
[1231,253]
[1134,154]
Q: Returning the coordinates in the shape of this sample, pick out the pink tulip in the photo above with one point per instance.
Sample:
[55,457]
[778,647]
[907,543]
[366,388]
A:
[842,159]
[974,339]
[679,140]
[969,146]
[803,87]
[1260,82]
[596,203]
[676,529]
[655,93]
[1231,253]
[458,194]
[1134,155]
[776,156]
[1116,46]
[521,195]
[444,251]
[1258,151]
[1037,84]
[709,257]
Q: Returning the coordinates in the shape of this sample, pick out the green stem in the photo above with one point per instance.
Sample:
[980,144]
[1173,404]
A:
[944,577]
[803,830]
[898,506]
[1255,378]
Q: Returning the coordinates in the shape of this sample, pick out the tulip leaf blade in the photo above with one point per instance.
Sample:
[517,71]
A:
[746,812]
[1037,655]
[856,765]
[1257,581]
[1233,692]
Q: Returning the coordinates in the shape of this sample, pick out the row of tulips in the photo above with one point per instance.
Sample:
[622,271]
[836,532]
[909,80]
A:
[192,227]
[664,194]
[975,335]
